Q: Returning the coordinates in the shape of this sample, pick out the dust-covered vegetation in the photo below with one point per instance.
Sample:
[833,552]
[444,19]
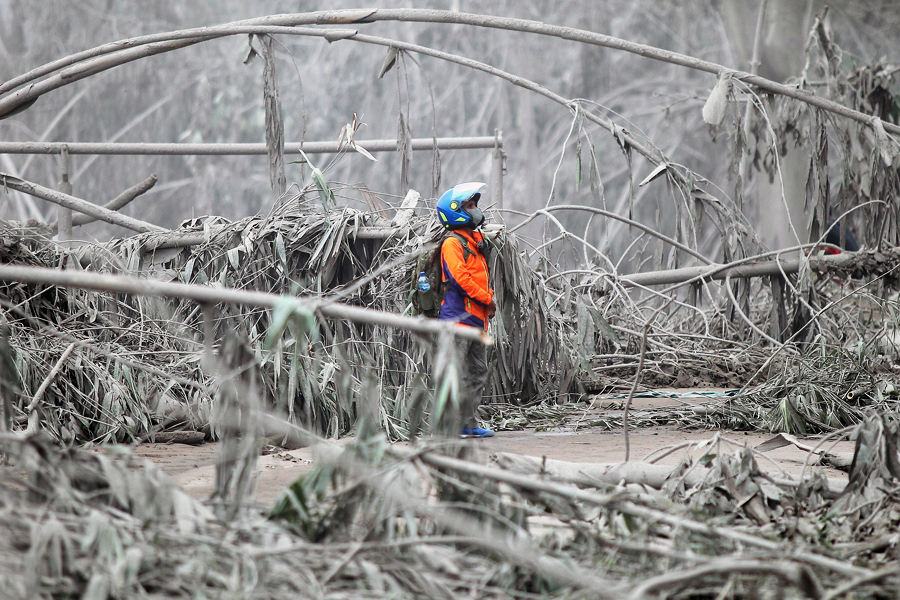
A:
[295,323]
[370,522]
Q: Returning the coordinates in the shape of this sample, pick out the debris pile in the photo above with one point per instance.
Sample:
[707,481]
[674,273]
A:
[371,520]
[113,367]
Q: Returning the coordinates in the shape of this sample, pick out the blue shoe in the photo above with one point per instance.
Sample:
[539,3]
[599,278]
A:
[477,432]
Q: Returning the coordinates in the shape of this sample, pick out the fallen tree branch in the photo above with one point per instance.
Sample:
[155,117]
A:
[96,349]
[818,313]
[515,549]
[861,580]
[641,473]
[49,378]
[7,181]
[846,261]
[616,502]
[789,573]
[115,204]
[633,472]
[839,460]
[212,295]
[185,239]
[773,266]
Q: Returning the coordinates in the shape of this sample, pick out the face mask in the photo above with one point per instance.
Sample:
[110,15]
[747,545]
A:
[477,216]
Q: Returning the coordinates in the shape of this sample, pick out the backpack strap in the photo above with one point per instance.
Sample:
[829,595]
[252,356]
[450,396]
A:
[467,252]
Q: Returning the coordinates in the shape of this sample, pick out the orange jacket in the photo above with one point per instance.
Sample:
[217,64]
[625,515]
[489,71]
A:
[468,282]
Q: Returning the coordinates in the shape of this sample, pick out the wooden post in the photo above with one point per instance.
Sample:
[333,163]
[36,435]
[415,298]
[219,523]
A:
[499,159]
[778,318]
[64,215]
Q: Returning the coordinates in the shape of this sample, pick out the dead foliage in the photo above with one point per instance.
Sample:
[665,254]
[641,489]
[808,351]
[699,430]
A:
[136,363]
[117,368]
[370,520]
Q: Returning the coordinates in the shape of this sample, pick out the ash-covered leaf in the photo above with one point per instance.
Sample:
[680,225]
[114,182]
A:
[364,152]
[284,312]
[717,103]
[389,61]
[251,55]
[659,170]
[325,193]
[883,142]
[578,165]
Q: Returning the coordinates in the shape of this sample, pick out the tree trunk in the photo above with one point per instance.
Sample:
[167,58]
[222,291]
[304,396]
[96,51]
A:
[780,203]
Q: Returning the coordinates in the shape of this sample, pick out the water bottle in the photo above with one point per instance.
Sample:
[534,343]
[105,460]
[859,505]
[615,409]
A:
[424,284]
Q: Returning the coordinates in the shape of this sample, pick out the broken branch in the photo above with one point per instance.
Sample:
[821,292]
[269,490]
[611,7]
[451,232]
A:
[82,206]
[115,204]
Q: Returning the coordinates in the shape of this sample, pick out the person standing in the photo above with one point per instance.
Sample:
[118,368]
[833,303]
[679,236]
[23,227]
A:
[468,299]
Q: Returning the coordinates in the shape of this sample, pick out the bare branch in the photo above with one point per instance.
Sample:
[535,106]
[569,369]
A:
[637,376]
[82,206]
[786,571]
[613,215]
[116,203]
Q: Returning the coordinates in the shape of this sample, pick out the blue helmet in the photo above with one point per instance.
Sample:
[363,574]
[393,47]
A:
[449,206]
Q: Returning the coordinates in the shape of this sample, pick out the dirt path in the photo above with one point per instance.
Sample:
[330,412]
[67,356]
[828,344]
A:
[193,467]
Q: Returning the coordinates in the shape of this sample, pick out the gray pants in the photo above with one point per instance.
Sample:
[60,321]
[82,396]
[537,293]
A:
[473,369]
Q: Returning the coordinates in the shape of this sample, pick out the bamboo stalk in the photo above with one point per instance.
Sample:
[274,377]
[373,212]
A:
[183,239]
[128,50]
[203,33]
[760,269]
[236,149]
[210,295]
[649,153]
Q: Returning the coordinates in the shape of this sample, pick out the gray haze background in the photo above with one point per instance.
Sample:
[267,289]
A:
[205,94]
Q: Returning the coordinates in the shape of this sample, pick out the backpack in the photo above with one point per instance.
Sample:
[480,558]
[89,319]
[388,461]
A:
[429,303]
